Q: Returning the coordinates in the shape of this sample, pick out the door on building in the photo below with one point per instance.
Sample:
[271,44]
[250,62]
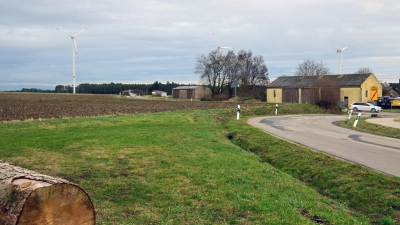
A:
[374,93]
[290,95]
[183,94]
[309,95]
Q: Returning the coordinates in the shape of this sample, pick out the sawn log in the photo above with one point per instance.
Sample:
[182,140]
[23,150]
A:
[27,197]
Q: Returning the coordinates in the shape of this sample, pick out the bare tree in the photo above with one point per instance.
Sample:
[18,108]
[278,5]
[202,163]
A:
[218,71]
[259,73]
[211,70]
[363,70]
[328,94]
[252,70]
[244,64]
[311,68]
[231,70]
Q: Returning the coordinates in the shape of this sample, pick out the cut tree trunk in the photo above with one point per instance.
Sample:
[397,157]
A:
[27,197]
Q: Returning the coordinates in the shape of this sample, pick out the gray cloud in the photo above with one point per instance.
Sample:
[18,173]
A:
[144,41]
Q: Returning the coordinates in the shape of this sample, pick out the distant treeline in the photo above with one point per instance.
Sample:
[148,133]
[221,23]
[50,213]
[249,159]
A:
[116,88]
[34,90]
[111,88]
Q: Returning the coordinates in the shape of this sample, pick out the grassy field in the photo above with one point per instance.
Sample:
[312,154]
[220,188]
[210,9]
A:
[200,167]
[393,110]
[371,128]
[364,191]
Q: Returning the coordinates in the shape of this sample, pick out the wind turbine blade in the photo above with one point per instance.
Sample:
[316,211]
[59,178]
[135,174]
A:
[335,44]
[344,48]
[215,37]
[63,31]
[81,31]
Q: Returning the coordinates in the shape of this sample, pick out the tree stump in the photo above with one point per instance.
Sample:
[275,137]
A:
[27,197]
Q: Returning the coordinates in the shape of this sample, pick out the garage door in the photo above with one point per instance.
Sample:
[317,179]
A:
[290,95]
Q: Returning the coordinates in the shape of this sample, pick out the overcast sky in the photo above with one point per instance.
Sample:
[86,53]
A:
[143,41]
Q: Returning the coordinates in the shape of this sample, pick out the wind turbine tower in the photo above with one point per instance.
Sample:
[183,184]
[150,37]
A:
[74,51]
[340,51]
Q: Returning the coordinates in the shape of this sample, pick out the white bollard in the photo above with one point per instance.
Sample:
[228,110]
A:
[238,112]
[355,122]
[276,109]
[350,113]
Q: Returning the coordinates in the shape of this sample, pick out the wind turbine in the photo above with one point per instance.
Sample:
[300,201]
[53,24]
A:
[340,50]
[219,49]
[74,51]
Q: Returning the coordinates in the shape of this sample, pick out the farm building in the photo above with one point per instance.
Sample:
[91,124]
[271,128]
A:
[157,93]
[131,92]
[393,92]
[191,92]
[346,88]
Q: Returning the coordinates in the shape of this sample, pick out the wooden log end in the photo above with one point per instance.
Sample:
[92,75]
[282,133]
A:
[56,204]
[28,198]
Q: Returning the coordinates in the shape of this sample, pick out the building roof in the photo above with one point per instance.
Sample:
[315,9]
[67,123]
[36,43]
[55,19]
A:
[308,81]
[394,89]
[185,87]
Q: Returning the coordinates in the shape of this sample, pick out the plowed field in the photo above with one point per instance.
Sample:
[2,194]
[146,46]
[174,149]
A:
[25,106]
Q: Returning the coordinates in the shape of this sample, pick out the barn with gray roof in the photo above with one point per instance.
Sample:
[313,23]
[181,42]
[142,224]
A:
[308,89]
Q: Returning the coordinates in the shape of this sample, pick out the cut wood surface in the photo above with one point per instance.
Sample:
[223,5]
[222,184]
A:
[27,197]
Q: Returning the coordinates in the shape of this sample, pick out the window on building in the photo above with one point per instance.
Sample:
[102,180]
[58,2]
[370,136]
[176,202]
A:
[366,93]
[274,93]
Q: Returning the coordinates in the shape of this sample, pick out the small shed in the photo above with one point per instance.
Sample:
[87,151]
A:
[158,93]
[131,93]
[191,92]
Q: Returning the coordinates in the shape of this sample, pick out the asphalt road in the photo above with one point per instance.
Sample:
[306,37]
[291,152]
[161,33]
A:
[317,132]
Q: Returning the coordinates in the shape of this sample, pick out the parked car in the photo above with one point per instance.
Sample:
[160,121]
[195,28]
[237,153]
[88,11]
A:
[365,106]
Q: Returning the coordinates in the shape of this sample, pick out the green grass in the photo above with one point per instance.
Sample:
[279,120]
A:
[371,128]
[366,192]
[166,168]
[180,168]
[393,110]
